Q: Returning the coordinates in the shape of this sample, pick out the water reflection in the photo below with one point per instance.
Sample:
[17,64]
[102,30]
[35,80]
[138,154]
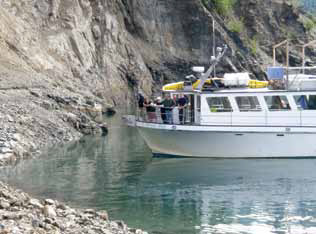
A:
[117,173]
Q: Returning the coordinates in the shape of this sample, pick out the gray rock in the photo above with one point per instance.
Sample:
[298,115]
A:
[12,216]
[96,31]
[47,105]
[89,211]
[5,150]
[49,211]
[4,205]
[10,118]
[36,203]
[48,220]
[62,206]
[35,223]
[49,202]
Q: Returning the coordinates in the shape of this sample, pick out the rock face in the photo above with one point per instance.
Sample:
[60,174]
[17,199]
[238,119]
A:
[175,35]
[62,64]
[19,213]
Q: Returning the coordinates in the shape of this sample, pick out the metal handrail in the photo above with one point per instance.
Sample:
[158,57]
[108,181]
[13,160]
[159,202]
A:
[162,117]
[232,118]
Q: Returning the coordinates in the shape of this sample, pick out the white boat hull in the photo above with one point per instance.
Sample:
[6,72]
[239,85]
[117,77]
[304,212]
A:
[229,142]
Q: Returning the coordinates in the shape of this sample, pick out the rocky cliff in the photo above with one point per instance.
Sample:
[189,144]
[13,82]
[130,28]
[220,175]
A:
[63,62]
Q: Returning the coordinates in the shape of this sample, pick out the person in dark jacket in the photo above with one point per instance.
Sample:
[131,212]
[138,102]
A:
[141,105]
[168,104]
[151,111]
[182,103]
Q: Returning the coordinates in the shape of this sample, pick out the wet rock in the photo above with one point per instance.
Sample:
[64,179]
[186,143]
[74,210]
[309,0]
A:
[103,215]
[110,111]
[104,129]
[28,217]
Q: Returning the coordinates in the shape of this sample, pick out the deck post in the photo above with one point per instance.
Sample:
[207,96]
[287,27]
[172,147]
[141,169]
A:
[287,64]
[303,53]
[213,23]
[286,42]
[303,59]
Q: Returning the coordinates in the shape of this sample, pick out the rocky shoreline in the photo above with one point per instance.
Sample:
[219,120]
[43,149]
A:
[20,213]
[31,121]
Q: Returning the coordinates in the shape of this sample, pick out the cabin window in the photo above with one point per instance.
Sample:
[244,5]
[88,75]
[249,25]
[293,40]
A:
[305,102]
[248,103]
[277,103]
[198,103]
[219,104]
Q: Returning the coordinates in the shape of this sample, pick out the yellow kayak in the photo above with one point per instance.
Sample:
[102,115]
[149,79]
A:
[179,85]
[254,84]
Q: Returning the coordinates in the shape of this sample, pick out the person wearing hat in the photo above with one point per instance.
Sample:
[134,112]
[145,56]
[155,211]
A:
[160,110]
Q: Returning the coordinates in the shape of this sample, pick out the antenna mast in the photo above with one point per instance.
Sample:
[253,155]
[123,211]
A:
[214,55]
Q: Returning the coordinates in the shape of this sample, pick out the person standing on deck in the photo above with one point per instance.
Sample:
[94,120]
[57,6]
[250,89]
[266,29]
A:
[168,104]
[141,106]
[182,103]
[151,111]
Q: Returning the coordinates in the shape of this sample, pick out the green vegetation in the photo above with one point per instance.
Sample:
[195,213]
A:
[224,7]
[235,25]
[309,24]
[253,44]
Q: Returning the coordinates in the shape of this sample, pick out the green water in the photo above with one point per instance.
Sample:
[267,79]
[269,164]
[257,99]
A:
[184,196]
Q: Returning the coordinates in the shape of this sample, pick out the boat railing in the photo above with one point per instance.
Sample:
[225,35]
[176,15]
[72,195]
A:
[164,115]
[185,116]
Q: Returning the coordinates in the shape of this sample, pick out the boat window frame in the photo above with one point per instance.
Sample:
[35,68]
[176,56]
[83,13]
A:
[286,106]
[223,110]
[307,102]
[257,100]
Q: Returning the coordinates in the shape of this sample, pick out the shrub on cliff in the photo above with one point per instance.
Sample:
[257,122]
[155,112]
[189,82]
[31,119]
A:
[235,25]
[224,7]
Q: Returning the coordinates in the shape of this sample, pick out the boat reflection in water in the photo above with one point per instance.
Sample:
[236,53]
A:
[238,196]
[186,196]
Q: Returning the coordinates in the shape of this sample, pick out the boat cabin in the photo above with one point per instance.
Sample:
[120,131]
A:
[241,107]
[287,99]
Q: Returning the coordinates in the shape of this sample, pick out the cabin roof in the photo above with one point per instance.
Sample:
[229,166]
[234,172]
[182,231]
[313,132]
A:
[240,90]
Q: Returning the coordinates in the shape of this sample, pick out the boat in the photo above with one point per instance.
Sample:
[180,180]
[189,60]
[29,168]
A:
[236,116]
